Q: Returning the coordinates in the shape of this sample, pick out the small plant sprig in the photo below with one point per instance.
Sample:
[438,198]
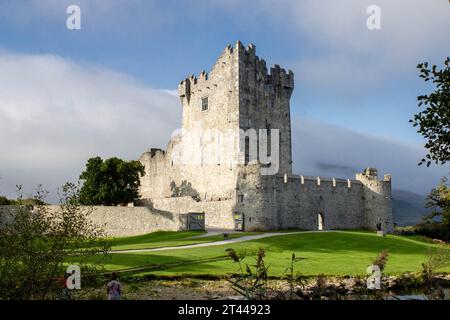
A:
[250,284]
[381,259]
[292,277]
[436,259]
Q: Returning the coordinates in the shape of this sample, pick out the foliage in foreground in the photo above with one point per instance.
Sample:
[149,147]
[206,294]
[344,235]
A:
[4,201]
[436,259]
[252,281]
[36,242]
[251,284]
[381,259]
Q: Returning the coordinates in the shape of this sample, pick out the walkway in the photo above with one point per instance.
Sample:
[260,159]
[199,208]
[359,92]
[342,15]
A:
[217,243]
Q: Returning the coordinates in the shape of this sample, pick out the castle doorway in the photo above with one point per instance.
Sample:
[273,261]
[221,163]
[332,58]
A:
[196,221]
[239,221]
[320,221]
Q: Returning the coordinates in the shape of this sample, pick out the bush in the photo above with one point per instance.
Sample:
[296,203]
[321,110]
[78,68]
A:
[4,201]
[405,231]
[437,224]
[36,244]
[436,260]
[433,230]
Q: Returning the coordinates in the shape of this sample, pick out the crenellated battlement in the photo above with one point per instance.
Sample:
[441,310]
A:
[278,77]
[155,152]
[242,59]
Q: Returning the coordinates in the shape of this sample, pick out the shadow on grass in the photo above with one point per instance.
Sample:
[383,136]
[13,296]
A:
[336,242]
[159,237]
[164,262]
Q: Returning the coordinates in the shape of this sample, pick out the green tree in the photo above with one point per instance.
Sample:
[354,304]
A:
[434,121]
[439,200]
[110,182]
[4,201]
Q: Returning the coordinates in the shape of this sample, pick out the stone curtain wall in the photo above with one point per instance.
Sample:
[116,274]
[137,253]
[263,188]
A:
[341,206]
[295,202]
[218,214]
[270,203]
[124,221]
[267,202]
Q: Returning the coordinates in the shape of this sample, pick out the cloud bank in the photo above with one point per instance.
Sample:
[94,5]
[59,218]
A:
[412,31]
[322,149]
[55,114]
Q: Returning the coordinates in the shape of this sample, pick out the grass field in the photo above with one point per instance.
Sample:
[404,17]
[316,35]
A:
[330,253]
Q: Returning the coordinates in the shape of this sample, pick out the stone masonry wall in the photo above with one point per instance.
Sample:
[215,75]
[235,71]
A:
[301,202]
[212,179]
[295,202]
[218,214]
[123,221]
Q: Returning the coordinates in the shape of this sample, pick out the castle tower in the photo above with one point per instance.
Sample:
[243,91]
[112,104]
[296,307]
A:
[377,200]
[240,95]
[264,103]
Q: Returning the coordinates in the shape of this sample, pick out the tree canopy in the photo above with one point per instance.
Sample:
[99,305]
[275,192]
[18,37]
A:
[110,182]
[437,223]
[433,121]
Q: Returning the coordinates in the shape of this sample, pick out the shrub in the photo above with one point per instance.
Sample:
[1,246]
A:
[36,244]
[251,284]
[4,201]
[381,259]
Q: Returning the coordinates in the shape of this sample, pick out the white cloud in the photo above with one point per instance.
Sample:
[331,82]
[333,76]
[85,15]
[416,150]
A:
[412,31]
[327,150]
[55,114]
[338,52]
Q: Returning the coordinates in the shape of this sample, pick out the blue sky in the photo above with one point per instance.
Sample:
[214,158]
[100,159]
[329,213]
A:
[347,76]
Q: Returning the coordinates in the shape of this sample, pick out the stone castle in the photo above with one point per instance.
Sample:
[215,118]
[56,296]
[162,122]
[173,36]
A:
[232,159]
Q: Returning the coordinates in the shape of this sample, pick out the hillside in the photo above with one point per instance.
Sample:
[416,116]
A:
[408,207]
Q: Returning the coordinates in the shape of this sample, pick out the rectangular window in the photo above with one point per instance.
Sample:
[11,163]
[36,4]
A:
[240,198]
[204,103]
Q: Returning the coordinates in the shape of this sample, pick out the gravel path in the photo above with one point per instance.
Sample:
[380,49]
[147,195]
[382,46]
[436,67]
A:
[216,243]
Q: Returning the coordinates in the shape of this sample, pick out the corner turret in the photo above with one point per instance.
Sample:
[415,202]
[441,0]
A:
[377,200]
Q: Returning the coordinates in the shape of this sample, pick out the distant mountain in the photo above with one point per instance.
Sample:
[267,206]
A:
[408,207]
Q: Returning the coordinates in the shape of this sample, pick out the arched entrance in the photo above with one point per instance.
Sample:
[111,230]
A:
[320,221]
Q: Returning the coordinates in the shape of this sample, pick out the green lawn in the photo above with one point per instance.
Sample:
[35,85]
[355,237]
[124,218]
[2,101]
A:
[169,239]
[336,253]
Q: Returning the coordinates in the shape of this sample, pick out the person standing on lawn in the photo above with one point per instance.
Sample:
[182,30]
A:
[114,288]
